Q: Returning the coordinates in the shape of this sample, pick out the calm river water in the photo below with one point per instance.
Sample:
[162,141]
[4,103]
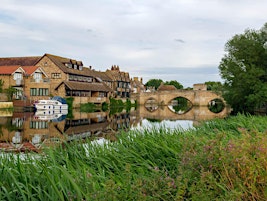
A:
[32,131]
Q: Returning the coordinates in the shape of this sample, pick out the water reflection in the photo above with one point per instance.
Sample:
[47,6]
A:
[180,105]
[34,131]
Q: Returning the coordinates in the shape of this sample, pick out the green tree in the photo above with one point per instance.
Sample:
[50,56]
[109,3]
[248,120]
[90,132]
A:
[1,85]
[244,69]
[153,83]
[174,83]
[214,86]
[10,91]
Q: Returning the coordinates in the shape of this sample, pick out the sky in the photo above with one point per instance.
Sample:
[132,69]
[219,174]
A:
[179,40]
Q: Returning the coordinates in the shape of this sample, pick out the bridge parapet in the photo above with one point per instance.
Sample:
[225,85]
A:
[196,97]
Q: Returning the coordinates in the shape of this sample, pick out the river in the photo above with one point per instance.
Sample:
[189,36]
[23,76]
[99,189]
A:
[31,131]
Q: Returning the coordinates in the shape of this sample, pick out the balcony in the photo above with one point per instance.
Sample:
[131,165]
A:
[19,82]
[45,80]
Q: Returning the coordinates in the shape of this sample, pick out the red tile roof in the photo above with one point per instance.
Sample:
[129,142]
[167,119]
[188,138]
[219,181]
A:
[29,69]
[8,70]
[166,88]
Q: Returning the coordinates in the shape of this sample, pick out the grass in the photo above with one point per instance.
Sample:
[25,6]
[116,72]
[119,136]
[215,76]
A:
[220,160]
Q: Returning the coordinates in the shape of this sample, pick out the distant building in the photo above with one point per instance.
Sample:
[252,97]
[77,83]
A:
[202,87]
[137,85]
[120,82]
[163,87]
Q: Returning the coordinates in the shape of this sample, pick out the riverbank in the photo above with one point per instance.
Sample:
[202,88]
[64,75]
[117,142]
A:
[220,160]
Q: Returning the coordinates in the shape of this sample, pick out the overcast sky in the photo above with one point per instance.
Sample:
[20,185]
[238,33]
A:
[179,40]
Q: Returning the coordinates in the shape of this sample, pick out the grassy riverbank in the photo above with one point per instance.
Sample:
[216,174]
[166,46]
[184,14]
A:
[221,160]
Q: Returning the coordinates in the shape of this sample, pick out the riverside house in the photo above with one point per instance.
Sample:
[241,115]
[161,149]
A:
[36,78]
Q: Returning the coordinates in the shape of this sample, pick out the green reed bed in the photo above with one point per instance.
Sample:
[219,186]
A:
[220,160]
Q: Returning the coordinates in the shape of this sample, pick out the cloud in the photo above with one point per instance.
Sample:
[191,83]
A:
[142,37]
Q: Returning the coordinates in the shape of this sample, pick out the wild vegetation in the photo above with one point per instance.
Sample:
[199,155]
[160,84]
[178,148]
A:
[220,160]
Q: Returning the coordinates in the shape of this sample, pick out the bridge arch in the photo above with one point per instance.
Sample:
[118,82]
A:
[197,97]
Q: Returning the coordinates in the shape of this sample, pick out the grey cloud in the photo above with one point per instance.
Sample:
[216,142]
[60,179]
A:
[179,40]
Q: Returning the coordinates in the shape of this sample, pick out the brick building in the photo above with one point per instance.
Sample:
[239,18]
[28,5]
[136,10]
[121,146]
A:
[41,77]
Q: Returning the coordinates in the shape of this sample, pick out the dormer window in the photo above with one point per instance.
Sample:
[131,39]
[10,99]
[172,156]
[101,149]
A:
[37,76]
[80,68]
[17,76]
[69,65]
[74,66]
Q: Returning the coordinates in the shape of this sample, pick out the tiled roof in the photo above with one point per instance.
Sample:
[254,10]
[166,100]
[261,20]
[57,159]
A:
[118,75]
[82,86]
[103,76]
[22,61]
[86,128]
[29,69]
[8,70]
[166,88]
[61,61]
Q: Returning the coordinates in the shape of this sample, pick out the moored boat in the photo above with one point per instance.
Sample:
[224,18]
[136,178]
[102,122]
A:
[56,103]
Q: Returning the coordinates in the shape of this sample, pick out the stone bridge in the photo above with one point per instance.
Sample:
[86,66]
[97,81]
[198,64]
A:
[196,97]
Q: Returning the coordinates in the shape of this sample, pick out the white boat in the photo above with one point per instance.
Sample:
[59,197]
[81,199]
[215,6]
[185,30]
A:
[54,104]
[50,115]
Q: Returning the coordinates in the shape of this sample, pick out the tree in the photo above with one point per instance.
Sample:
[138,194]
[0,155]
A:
[244,69]
[1,85]
[214,86]
[153,83]
[174,83]
[10,91]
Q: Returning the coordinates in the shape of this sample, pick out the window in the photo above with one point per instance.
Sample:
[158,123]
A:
[68,65]
[39,91]
[56,75]
[17,76]
[37,77]
[39,124]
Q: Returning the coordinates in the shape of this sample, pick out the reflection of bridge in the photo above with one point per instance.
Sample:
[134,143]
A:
[196,97]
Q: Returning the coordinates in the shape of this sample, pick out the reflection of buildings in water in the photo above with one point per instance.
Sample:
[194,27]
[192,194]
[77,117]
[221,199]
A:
[26,131]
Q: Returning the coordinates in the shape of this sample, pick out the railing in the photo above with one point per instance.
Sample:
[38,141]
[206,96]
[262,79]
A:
[45,80]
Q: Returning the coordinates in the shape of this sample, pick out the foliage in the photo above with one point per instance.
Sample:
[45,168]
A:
[157,82]
[1,85]
[69,101]
[220,160]
[174,83]
[116,106]
[87,107]
[216,105]
[183,105]
[105,106]
[244,69]
[214,86]
[153,83]
[10,91]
